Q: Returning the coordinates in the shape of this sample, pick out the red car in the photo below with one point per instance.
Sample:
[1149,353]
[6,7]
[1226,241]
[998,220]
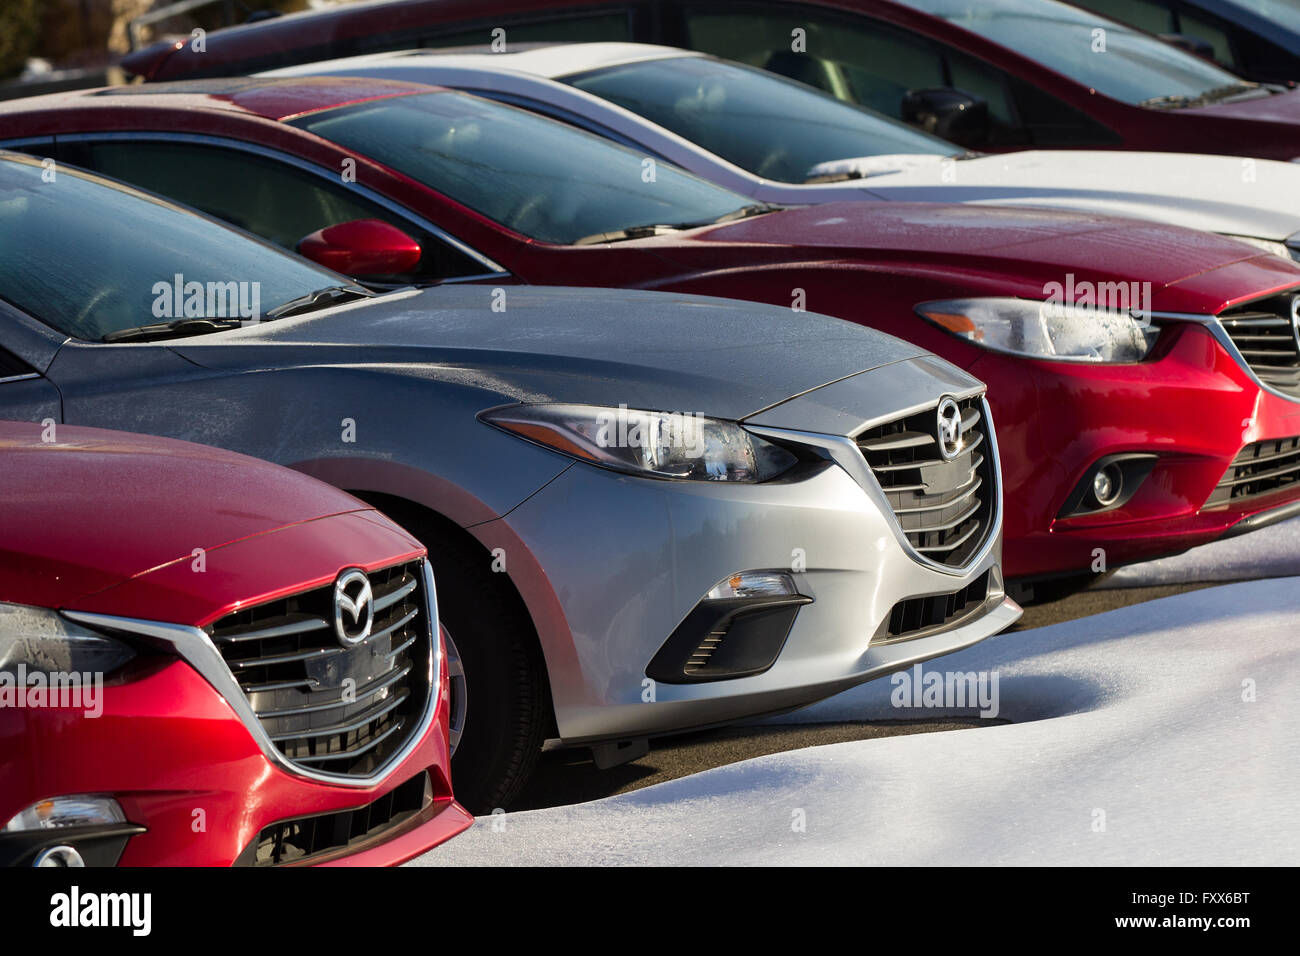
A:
[1124,434]
[991,75]
[209,660]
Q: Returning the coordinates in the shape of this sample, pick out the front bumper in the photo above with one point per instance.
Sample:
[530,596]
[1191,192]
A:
[1192,404]
[183,766]
[636,556]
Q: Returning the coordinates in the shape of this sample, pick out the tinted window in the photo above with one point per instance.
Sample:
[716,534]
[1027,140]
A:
[1119,62]
[760,122]
[85,257]
[276,201]
[534,175]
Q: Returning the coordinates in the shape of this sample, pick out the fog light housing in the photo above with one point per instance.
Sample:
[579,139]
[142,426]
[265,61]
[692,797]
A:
[738,629]
[1108,485]
[58,856]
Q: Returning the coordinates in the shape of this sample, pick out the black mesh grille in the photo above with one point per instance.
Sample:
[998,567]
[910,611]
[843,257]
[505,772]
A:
[327,706]
[915,616]
[302,840]
[1260,469]
[944,507]
[1266,338]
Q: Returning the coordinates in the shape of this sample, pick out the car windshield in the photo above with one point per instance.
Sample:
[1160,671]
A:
[91,258]
[1098,53]
[533,175]
[770,126]
[1285,13]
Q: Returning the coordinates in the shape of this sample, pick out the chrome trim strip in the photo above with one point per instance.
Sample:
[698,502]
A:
[196,648]
[1216,328]
[493,269]
[19,378]
[844,452]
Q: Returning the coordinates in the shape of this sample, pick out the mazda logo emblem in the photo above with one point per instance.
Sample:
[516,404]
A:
[354,609]
[949,429]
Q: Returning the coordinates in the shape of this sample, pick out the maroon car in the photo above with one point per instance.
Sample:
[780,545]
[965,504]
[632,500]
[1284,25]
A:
[1125,433]
[992,75]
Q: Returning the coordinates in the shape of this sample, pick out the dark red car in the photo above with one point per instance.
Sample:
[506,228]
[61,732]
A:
[991,75]
[1126,433]
[209,660]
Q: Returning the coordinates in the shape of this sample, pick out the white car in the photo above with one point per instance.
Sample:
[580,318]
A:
[781,142]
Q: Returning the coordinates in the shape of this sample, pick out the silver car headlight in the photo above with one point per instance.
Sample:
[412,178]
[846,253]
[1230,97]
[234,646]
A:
[676,445]
[1045,330]
[40,641]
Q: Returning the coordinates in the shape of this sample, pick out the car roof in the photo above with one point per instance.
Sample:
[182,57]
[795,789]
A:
[273,98]
[548,60]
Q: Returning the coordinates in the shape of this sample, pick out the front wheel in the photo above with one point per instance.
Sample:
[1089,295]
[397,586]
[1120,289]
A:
[499,694]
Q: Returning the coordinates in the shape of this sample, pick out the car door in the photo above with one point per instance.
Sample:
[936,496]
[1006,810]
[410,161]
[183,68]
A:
[267,193]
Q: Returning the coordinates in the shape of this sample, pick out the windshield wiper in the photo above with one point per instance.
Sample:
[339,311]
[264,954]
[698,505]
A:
[1182,101]
[658,229]
[179,328]
[319,299]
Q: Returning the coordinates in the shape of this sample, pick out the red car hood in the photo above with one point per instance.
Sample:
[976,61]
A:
[96,507]
[1030,244]
[1278,108]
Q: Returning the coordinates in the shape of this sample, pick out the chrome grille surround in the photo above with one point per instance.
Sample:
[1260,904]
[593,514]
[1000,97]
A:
[326,702]
[196,647]
[1265,335]
[946,509]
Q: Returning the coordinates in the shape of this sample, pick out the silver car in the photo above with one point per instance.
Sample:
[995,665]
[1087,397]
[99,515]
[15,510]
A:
[646,513]
[778,141]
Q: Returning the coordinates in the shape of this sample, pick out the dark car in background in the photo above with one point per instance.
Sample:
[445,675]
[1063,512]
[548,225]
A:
[993,75]
[1256,39]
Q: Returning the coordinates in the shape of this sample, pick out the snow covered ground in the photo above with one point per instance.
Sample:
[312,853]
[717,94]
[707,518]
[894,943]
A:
[1164,733]
[1269,552]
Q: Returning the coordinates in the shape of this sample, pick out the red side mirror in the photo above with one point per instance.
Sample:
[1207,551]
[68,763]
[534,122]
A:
[362,247]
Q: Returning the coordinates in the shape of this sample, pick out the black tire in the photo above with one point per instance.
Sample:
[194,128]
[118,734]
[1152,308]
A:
[507,692]
[505,679]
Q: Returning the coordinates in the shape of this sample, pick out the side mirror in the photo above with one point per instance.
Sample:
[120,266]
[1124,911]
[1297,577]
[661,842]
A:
[362,248]
[948,113]
[1190,43]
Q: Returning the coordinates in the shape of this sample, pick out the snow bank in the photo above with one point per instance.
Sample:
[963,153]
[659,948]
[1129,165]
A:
[1270,552]
[1132,744]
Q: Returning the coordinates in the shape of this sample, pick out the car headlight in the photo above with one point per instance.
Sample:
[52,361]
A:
[654,444]
[1045,330]
[40,641]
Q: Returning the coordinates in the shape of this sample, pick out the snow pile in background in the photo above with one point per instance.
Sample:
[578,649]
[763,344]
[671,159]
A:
[1270,552]
[1137,714]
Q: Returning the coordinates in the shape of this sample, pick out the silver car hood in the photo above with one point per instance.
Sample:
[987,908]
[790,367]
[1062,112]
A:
[1224,194]
[650,350]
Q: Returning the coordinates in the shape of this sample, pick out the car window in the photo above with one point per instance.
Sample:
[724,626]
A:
[874,64]
[536,176]
[1204,29]
[1152,16]
[610,27]
[765,124]
[274,200]
[866,65]
[1118,62]
[88,257]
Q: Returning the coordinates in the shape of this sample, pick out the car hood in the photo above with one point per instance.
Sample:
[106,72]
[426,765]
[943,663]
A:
[658,351]
[1212,193]
[93,508]
[1032,245]
[1278,108]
